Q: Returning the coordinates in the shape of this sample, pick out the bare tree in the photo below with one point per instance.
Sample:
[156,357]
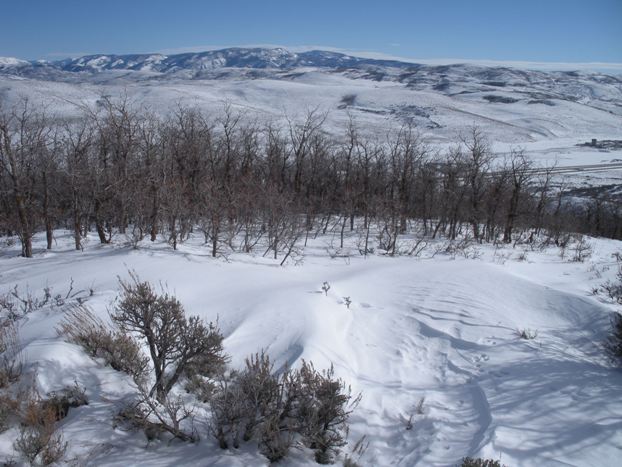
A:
[174,341]
[520,174]
[23,138]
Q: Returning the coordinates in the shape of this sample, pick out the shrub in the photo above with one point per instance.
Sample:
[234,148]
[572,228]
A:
[8,306]
[526,334]
[18,304]
[479,462]
[39,441]
[358,450]
[324,405]
[8,410]
[227,406]
[124,354]
[177,344]
[201,387]
[613,345]
[347,100]
[11,363]
[80,326]
[349,462]
[155,418]
[614,289]
[60,402]
[274,409]
[275,440]
[582,250]
[243,401]
[208,364]
[133,417]
[171,415]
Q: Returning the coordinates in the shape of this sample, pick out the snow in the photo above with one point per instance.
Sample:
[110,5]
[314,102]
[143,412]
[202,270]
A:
[11,61]
[438,328]
[434,327]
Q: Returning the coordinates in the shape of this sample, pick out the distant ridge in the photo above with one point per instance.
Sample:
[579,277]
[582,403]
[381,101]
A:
[235,57]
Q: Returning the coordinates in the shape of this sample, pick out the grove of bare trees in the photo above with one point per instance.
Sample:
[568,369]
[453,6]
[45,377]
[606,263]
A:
[122,170]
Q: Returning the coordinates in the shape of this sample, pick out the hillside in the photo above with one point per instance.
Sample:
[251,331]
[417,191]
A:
[515,106]
[439,334]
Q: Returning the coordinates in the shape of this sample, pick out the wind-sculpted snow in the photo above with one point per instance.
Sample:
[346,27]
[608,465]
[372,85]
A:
[436,329]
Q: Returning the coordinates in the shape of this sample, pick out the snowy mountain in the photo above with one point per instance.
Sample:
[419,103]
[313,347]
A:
[547,113]
[256,58]
[273,62]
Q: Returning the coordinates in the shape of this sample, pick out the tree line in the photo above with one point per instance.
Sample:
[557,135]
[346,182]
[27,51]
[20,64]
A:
[123,169]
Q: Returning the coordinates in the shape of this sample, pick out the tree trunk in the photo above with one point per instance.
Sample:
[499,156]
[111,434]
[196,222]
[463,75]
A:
[46,212]
[25,232]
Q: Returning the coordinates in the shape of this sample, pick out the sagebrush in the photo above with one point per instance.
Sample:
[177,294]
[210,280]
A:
[177,345]
[274,409]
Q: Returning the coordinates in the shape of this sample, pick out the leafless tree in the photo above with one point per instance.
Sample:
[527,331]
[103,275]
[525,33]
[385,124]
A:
[175,342]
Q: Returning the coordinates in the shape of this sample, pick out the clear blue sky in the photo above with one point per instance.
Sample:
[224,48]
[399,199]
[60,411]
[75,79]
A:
[541,30]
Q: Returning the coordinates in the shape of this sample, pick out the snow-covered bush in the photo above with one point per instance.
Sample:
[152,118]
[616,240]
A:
[80,326]
[324,404]
[275,410]
[244,400]
[176,343]
[173,417]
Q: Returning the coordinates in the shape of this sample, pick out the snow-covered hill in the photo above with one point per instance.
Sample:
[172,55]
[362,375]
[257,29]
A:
[516,106]
[441,330]
[432,339]
[546,113]
[258,58]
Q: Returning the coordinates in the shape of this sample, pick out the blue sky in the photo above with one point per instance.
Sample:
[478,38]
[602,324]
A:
[520,30]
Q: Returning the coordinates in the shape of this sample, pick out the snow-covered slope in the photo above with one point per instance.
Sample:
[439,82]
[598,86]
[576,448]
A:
[545,113]
[438,329]
[515,106]
[259,58]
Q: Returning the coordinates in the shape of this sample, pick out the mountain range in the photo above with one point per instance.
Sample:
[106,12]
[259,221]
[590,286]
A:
[215,63]
[514,105]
